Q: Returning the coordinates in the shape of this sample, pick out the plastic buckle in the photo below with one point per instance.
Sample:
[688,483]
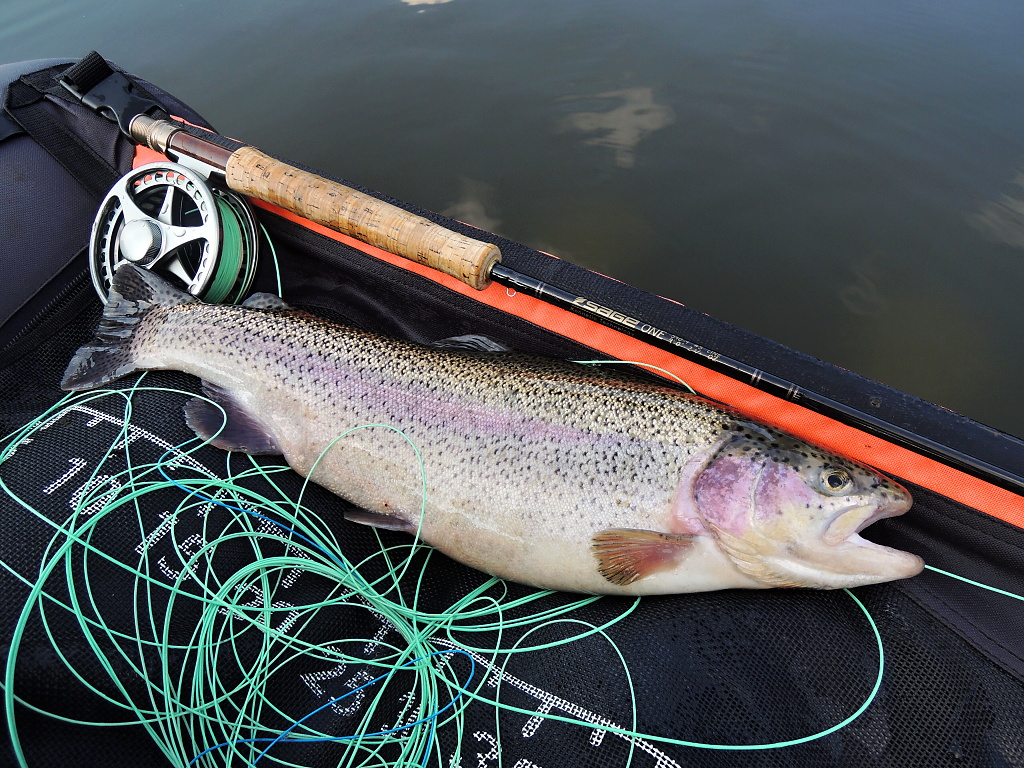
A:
[114,98]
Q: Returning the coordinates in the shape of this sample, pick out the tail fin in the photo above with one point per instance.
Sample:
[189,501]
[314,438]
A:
[134,293]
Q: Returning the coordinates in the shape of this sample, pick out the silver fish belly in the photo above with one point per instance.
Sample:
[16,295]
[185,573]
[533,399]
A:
[537,470]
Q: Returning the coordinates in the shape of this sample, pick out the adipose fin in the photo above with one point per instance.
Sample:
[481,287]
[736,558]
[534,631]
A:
[265,301]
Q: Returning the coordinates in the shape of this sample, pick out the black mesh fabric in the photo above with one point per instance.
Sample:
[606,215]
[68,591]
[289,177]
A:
[720,668]
[729,668]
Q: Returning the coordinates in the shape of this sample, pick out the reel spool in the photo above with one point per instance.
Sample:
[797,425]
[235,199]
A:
[169,219]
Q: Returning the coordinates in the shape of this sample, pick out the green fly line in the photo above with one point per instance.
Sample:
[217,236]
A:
[196,661]
[237,251]
[197,719]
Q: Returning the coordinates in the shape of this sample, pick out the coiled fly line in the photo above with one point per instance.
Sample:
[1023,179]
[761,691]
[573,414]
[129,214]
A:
[196,664]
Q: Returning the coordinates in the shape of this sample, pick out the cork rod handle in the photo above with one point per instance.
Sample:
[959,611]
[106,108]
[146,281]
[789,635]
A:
[361,216]
[343,209]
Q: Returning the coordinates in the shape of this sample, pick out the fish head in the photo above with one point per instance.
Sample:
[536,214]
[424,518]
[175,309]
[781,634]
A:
[789,514]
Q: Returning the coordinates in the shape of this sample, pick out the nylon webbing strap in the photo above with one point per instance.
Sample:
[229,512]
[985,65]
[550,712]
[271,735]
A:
[87,73]
[25,104]
[8,127]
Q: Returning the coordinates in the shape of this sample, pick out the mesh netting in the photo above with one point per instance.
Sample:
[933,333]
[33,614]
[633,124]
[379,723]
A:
[729,668]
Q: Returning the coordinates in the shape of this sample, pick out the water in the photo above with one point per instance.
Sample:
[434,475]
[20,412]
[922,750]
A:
[846,178]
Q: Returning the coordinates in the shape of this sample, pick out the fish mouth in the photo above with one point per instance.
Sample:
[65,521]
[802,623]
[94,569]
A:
[847,524]
[864,561]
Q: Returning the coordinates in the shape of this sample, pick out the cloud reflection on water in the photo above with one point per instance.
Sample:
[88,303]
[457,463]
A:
[623,127]
[475,205]
[1002,220]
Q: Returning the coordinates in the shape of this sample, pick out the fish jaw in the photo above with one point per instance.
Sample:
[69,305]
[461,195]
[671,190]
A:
[860,561]
[773,512]
[854,563]
[857,561]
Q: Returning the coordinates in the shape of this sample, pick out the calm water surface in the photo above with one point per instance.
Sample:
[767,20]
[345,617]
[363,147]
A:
[846,178]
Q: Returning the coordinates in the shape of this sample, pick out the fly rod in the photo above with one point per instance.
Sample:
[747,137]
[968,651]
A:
[762,380]
[251,172]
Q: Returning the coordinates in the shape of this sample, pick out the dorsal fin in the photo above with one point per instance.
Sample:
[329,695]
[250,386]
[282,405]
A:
[472,342]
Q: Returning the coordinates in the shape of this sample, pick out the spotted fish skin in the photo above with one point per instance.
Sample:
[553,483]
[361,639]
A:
[538,470]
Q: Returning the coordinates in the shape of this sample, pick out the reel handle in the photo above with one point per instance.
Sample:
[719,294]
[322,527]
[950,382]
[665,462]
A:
[343,209]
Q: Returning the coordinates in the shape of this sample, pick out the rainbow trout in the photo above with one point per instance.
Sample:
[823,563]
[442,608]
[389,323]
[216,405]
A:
[541,471]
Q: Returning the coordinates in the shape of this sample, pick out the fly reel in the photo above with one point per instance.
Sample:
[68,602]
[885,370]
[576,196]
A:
[169,219]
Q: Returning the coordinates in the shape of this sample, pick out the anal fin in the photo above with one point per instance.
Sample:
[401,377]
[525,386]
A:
[233,430]
[625,555]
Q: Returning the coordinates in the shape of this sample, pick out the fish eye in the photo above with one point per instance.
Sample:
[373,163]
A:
[836,481]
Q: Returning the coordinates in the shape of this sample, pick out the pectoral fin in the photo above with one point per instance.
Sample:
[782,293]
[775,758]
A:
[749,560]
[625,555]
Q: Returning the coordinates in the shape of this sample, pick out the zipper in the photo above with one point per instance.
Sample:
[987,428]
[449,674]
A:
[67,301]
